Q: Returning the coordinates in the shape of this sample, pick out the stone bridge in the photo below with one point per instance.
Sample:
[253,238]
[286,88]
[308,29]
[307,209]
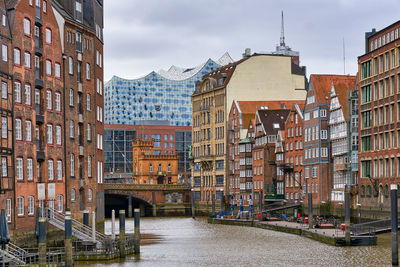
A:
[162,199]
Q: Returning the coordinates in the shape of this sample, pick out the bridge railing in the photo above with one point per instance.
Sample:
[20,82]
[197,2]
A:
[165,187]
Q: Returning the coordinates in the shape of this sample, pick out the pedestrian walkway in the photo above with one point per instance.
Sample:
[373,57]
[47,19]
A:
[305,227]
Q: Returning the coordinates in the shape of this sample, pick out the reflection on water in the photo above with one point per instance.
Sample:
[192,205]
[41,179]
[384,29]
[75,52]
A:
[188,242]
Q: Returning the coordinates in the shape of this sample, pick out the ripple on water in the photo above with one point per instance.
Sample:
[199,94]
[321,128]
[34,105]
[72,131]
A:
[188,242]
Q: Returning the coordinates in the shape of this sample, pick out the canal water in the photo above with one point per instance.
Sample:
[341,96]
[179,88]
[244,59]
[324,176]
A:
[194,242]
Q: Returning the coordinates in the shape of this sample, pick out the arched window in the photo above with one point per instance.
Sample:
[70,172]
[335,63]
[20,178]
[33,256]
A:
[368,190]
[362,190]
[73,195]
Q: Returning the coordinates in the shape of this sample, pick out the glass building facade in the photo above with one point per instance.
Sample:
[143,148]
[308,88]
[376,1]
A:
[158,98]
[118,150]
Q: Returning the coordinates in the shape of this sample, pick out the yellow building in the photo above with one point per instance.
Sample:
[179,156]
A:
[266,77]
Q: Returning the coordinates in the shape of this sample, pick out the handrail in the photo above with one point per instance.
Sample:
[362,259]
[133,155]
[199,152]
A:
[79,230]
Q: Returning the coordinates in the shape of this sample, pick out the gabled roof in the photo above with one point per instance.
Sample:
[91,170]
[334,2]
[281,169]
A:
[322,84]
[249,108]
[270,118]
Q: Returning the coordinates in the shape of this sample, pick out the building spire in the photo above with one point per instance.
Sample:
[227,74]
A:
[282,32]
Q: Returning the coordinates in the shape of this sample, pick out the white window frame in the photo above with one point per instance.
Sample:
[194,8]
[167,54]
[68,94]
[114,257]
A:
[57,70]
[59,170]
[17,56]
[18,129]
[89,164]
[29,169]
[49,100]
[28,130]
[27,60]
[4,52]
[4,127]
[57,101]
[60,203]
[71,129]
[48,36]
[48,67]
[72,165]
[50,169]
[49,128]
[17,92]
[27,26]
[20,206]
[28,95]
[31,205]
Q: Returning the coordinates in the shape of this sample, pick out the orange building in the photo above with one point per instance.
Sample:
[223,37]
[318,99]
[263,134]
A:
[149,168]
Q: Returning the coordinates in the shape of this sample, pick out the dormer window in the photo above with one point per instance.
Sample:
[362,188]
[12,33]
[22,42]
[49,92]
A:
[275,125]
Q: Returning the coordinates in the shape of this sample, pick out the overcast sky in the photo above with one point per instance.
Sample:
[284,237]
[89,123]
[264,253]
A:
[145,35]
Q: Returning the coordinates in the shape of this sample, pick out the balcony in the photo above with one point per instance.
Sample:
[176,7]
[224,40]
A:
[38,47]
[39,116]
[38,79]
[39,151]
[38,17]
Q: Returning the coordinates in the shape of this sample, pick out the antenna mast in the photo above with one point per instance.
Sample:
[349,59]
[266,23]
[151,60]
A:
[344,59]
[282,32]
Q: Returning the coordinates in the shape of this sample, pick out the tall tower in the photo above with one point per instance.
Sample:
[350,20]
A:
[282,49]
[282,32]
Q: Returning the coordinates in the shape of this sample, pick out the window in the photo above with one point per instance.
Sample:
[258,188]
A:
[49,134]
[88,102]
[58,101]
[98,58]
[3,20]
[18,129]
[49,100]
[44,6]
[4,127]
[27,26]
[4,52]
[71,129]
[87,71]
[324,134]
[99,87]
[72,195]
[4,167]
[90,195]
[4,90]
[72,163]
[99,114]
[48,67]
[17,56]
[50,165]
[78,11]
[20,205]
[323,112]
[58,135]
[28,129]
[366,94]
[70,66]
[9,209]
[89,164]
[60,203]
[99,141]
[324,152]
[71,97]
[99,172]
[29,169]
[57,70]
[17,89]
[59,170]
[28,95]
[89,132]
[31,205]
[48,36]
[27,58]
[20,171]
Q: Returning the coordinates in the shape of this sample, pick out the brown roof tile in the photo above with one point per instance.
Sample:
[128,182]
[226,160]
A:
[322,84]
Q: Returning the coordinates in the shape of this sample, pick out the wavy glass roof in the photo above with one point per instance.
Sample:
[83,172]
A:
[161,97]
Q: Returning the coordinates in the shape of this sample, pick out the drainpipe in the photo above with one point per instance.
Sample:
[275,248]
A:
[64,57]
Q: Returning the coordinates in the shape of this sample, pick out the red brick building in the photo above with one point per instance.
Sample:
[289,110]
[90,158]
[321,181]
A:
[7,200]
[150,168]
[167,140]
[379,130]
[83,101]
[292,158]
[38,117]
[35,65]
[317,151]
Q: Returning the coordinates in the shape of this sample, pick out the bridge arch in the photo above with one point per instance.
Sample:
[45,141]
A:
[120,200]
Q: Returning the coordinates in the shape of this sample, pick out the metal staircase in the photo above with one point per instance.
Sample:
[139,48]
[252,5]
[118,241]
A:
[14,256]
[79,230]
